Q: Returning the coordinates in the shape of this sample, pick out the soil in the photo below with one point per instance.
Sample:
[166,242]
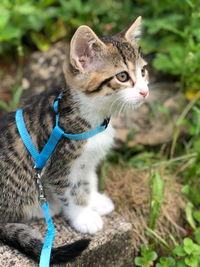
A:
[129,189]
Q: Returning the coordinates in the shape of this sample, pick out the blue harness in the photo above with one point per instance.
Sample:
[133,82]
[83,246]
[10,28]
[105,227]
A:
[40,161]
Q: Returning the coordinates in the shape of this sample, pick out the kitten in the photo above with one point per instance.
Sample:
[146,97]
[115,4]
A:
[103,76]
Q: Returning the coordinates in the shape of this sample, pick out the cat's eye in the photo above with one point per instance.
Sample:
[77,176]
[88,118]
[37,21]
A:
[123,76]
[143,71]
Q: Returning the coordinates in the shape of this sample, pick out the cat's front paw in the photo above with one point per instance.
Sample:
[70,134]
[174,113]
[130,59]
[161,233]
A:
[86,221]
[101,203]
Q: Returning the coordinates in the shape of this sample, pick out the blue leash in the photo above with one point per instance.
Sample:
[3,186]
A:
[40,160]
[48,242]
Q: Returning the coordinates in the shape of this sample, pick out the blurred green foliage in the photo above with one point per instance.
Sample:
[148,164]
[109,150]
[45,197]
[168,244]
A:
[186,254]
[156,186]
[171,32]
[44,22]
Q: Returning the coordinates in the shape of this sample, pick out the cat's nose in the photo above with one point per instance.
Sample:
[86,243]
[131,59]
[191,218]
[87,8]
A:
[144,93]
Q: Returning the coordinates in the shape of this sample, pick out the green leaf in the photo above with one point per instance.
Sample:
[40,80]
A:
[196,143]
[157,196]
[171,261]
[4,17]
[196,215]
[185,189]
[196,250]
[188,245]
[16,97]
[197,110]
[196,116]
[36,21]
[9,33]
[181,263]
[78,6]
[152,256]
[25,9]
[197,235]
[4,106]
[142,158]
[168,23]
[162,62]
[58,30]
[167,262]
[46,3]
[144,250]
[192,261]
[188,212]
[40,41]
[179,251]
[139,261]
[172,60]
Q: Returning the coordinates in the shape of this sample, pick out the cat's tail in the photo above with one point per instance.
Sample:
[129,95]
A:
[29,242]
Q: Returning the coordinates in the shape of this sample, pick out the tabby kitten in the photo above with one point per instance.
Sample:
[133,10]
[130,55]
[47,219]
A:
[103,76]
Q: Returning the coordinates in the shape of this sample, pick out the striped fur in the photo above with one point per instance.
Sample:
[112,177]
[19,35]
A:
[92,93]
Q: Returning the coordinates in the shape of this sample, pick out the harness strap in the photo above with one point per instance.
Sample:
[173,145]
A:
[40,161]
[25,135]
[49,147]
[56,135]
[85,135]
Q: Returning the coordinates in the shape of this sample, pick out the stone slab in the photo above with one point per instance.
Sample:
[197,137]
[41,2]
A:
[108,248]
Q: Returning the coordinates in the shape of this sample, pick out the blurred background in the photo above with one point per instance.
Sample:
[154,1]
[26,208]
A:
[158,148]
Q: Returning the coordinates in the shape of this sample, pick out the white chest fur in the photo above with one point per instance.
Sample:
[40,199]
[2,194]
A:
[94,151]
[97,146]
[86,217]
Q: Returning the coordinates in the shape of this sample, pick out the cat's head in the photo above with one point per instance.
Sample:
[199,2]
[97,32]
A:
[109,69]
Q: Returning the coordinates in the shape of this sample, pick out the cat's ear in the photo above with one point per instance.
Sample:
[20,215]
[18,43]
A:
[86,49]
[132,32]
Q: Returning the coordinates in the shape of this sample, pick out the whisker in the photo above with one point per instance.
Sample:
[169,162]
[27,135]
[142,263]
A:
[114,102]
[124,103]
[120,111]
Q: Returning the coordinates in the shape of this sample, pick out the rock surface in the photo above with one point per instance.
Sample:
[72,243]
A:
[110,247]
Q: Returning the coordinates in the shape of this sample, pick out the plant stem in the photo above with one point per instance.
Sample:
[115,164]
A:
[192,155]
[159,238]
[179,121]
[20,62]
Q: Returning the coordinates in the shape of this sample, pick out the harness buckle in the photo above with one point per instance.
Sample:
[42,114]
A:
[106,122]
[42,197]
